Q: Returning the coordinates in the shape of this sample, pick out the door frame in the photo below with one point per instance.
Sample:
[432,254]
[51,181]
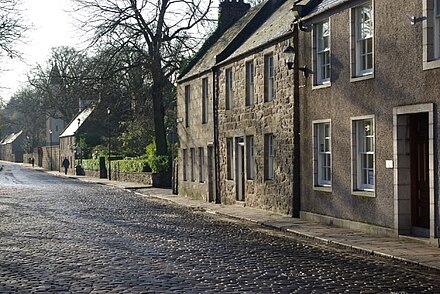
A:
[402,190]
[239,169]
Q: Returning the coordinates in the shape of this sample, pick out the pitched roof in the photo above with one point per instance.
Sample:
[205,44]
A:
[10,138]
[73,126]
[208,59]
[276,26]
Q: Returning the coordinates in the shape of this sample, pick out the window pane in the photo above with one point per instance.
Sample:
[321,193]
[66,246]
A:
[229,92]
[365,154]
[269,157]
[324,154]
[370,161]
[269,90]
[365,22]
[187,104]
[249,83]
[229,159]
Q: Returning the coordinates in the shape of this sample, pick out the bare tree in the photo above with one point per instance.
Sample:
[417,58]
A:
[62,88]
[24,112]
[12,27]
[167,30]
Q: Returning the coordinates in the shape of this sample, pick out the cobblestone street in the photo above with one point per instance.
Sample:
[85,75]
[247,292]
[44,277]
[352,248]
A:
[63,235]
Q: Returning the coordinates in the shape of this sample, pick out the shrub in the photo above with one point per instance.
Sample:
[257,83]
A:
[127,165]
[131,165]
[91,164]
[159,164]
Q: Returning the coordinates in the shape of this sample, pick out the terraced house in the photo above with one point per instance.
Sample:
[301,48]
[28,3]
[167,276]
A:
[327,112]
[241,84]
[369,115]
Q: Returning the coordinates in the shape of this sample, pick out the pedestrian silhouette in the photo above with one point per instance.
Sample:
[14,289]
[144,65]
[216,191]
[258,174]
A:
[66,164]
[32,161]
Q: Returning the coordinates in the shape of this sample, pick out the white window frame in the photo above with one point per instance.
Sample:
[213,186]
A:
[205,100]
[229,89]
[187,104]
[229,158]
[322,153]
[362,38]
[322,53]
[431,35]
[269,78]
[201,165]
[192,156]
[250,158]
[364,170]
[269,158]
[250,86]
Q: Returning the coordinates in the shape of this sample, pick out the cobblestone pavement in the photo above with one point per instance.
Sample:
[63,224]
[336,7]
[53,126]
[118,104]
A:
[62,235]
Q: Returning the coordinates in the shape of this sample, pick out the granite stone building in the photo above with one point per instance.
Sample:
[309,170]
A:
[255,111]
[235,112]
[369,118]
[196,112]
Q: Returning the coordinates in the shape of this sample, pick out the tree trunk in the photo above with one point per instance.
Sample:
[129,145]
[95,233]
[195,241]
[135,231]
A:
[159,113]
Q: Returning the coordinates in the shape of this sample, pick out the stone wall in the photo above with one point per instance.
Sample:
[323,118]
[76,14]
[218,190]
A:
[195,135]
[51,157]
[142,178]
[275,117]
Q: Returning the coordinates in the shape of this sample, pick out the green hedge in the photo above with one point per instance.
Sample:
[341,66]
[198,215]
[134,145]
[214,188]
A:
[131,165]
[90,164]
[127,165]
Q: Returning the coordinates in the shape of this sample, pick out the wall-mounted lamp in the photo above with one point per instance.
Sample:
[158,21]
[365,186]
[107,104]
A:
[303,27]
[289,51]
[414,19]
[290,60]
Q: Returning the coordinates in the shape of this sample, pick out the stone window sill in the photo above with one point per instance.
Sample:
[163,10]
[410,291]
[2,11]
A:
[360,193]
[323,189]
[362,78]
[433,64]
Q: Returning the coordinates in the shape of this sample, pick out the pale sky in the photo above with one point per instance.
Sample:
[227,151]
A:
[52,27]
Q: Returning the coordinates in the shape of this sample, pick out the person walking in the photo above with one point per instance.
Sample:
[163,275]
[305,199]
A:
[32,161]
[66,164]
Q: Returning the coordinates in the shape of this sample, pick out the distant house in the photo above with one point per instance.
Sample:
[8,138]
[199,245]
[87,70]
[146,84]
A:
[11,147]
[68,139]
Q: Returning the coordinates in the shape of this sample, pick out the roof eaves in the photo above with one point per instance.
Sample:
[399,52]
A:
[218,33]
[326,6]
[87,111]
[205,47]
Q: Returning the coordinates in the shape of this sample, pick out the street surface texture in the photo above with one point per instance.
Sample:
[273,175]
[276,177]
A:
[64,235]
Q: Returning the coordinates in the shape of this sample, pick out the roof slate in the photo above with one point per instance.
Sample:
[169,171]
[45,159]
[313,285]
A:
[10,138]
[73,126]
[208,60]
[276,26]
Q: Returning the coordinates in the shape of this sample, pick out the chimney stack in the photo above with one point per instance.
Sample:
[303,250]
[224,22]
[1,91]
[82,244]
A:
[230,11]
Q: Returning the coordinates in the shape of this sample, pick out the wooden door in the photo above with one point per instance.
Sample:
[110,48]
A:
[419,149]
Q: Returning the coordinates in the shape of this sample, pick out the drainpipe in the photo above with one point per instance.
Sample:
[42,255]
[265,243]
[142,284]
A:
[215,81]
[296,203]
